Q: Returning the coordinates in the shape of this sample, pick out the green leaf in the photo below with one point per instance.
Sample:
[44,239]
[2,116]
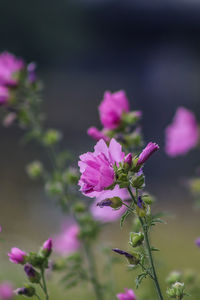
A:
[139,279]
[123,218]
[154,249]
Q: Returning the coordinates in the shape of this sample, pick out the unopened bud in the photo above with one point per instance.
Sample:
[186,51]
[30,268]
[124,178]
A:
[34,169]
[141,208]
[52,137]
[174,277]
[136,238]
[47,248]
[114,202]
[28,291]
[133,257]
[176,291]
[128,161]
[31,273]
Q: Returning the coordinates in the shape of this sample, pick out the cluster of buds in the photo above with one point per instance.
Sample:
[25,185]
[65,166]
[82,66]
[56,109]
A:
[34,264]
[177,291]
[130,171]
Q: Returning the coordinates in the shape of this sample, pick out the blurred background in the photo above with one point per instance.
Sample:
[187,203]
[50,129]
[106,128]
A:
[149,48]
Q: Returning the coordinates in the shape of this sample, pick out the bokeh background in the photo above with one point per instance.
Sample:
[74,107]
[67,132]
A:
[82,48]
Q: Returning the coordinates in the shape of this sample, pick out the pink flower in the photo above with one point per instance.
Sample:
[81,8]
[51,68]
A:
[107,213]
[112,107]
[17,256]
[147,152]
[4,94]
[183,134]
[128,295]
[9,66]
[97,134]
[6,291]
[97,167]
[67,241]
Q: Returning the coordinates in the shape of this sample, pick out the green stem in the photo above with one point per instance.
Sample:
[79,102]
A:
[43,285]
[148,247]
[93,272]
[38,296]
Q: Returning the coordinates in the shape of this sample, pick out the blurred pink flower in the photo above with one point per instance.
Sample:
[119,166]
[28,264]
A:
[9,66]
[96,134]
[128,295]
[107,213]
[183,134]
[97,167]
[6,291]
[67,241]
[112,107]
[4,94]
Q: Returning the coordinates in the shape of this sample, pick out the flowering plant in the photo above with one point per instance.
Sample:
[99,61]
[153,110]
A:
[113,175]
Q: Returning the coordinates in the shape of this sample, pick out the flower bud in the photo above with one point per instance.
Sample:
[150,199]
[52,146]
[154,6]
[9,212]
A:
[137,181]
[133,257]
[52,137]
[174,277]
[17,256]
[114,202]
[37,260]
[141,208]
[34,169]
[136,238]
[146,153]
[31,273]
[54,188]
[28,291]
[128,161]
[79,207]
[176,291]
[47,248]
[71,176]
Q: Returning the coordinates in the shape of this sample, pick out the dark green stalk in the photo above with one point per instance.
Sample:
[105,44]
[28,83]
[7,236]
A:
[44,286]
[148,248]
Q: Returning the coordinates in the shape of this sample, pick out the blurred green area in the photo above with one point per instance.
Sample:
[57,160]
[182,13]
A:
[175,240]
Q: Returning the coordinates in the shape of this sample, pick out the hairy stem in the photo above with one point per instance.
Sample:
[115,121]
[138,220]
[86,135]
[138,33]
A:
[44,286]
[148,248]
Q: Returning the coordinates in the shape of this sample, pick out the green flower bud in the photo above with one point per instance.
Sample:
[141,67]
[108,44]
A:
[37,260]
[79,207]
[138,181]
[35,169]
[71,176]
[174,277]
[136,239]
[52,137]
[176,291]
[54,188]
[114,202]
[148,199]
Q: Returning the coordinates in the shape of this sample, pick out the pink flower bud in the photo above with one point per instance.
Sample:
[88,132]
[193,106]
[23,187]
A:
[17,256]
[47,247]
[147,152]
[128,159]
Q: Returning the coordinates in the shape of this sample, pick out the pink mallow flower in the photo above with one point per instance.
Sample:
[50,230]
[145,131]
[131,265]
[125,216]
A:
[10,65]
[17,256]
[4,94]
[128,295]
[97,167]
[147,152]
[6,291]
[112,107]
[182,134]
[96,134]
[107,214]
[67,241]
